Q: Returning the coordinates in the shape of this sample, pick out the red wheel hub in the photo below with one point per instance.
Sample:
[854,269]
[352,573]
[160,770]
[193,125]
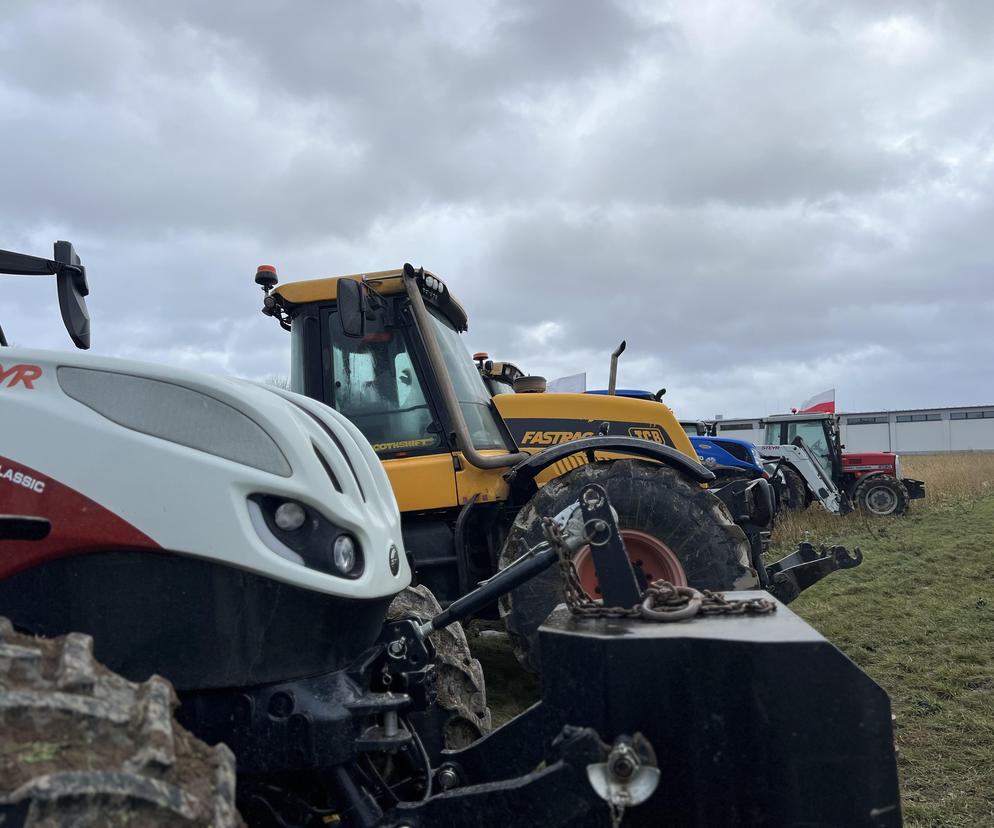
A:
[656,560]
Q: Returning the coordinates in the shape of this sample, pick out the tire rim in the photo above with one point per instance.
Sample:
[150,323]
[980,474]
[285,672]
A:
[881,500]
[656,560]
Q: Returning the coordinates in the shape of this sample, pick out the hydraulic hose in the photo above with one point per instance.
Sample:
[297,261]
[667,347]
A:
[463,440]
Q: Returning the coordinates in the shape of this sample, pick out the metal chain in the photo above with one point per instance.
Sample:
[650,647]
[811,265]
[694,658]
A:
[662,601]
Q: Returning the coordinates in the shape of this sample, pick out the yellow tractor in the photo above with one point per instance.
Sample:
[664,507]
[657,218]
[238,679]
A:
[473,473]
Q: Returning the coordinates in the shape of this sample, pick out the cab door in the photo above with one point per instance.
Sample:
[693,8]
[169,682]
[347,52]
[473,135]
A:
[374,381]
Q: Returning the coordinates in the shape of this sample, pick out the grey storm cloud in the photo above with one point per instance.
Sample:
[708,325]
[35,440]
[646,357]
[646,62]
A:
[764,199]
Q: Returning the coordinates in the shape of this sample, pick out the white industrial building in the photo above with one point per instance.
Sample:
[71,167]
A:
[907,431]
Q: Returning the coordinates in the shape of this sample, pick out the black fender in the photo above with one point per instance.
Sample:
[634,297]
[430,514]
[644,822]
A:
[748,501]
[524,473]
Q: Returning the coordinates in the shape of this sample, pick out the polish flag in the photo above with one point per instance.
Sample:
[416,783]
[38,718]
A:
[823,402]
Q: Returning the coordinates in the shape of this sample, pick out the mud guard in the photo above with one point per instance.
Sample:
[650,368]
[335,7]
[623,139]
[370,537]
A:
[523,475]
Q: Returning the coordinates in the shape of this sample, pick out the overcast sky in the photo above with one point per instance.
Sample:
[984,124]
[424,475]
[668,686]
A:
[765,199]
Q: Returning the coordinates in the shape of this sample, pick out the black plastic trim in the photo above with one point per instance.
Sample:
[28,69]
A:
[338,444]
[915,488]
[198,622]
[529,469]
[24,528]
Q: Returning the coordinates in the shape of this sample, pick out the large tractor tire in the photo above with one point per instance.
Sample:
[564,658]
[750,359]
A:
[793,491]
[881,495]
[459,683]
[672,529]
[82,746]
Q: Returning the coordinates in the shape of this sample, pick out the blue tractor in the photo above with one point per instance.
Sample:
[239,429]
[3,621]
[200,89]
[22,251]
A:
[727,458]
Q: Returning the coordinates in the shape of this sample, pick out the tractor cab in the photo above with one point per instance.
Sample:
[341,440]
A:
[355,346]
[818,431]
[695,428]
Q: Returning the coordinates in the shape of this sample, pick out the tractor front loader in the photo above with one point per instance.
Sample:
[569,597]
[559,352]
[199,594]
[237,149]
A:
[474,473]
[239,547]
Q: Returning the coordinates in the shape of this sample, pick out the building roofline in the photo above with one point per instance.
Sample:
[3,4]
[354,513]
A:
[871,412]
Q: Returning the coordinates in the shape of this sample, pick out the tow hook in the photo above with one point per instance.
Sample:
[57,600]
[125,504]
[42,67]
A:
[627,777]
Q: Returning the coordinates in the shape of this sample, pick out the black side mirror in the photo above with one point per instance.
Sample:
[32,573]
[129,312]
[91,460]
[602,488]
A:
[70,277]
[71,281]
[352,307]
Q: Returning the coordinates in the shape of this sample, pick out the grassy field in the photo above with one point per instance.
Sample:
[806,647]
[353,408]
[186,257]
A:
[917,616]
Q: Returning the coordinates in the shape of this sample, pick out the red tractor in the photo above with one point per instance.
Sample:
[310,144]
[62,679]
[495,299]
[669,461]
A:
[872,480]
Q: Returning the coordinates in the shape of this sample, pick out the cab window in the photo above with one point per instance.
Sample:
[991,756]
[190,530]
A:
[374,383]
[813,434]
[475,400]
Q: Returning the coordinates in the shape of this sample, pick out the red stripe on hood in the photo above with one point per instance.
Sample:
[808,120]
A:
[78,523]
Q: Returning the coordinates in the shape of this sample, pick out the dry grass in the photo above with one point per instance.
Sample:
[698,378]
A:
[948,478]
[951,476]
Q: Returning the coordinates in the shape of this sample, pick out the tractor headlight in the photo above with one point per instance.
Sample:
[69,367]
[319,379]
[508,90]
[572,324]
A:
[897,466]
[344,553]
[303,535]
[289,516]
[432,286]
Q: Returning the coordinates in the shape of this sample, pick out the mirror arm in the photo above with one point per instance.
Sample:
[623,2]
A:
[463,440]
[21,264]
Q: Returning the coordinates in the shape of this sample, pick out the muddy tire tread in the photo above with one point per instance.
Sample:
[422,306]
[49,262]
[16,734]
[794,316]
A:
[82,746]
[460,684]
